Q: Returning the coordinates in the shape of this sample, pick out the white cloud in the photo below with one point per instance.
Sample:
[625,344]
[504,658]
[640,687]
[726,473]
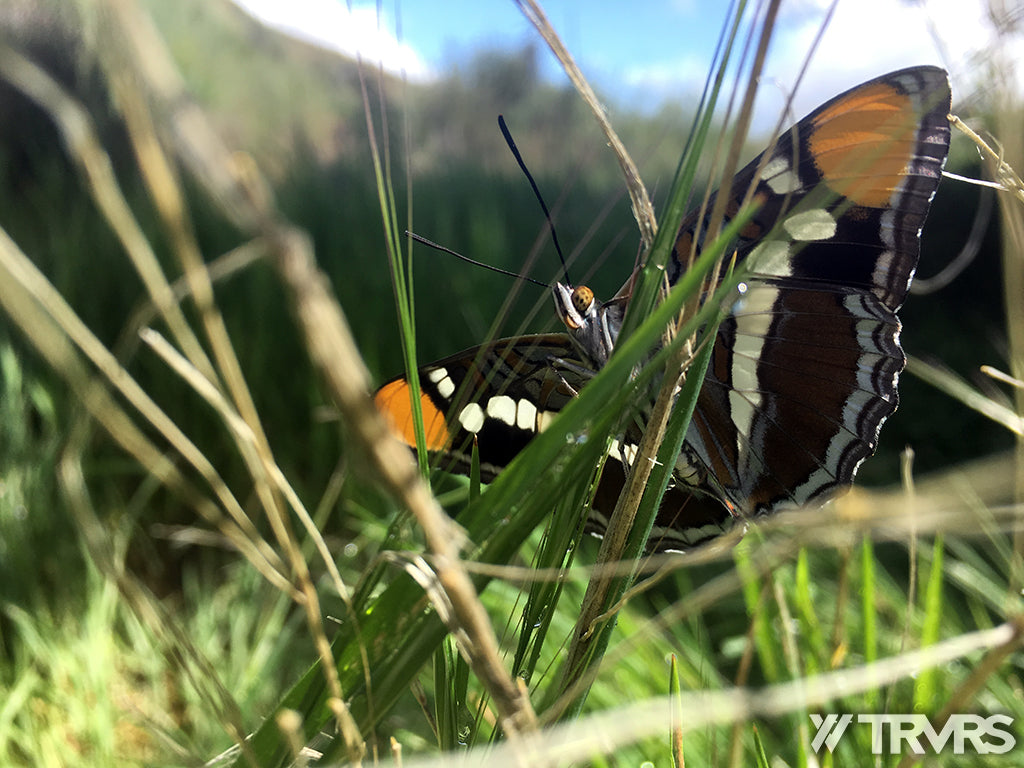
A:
[329,23]
[867,38]
[864,39]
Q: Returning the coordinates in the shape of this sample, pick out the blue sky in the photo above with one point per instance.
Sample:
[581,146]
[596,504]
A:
[642,51]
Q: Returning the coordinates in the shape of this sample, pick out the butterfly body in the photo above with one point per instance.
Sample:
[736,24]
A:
[805,364]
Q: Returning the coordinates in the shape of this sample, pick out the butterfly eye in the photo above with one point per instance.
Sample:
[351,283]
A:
[582,298]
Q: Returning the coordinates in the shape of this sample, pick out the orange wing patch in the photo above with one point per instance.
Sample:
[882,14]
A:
[394,401]
[863,144]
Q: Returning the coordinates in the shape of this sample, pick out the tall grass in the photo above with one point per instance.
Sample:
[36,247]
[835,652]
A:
[326,625]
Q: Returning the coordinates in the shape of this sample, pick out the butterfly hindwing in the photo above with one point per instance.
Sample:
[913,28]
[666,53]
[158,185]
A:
[500,394]
[797,389]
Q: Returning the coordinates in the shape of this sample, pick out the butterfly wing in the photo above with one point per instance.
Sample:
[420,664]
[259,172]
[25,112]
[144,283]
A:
[500,394]
[806,363]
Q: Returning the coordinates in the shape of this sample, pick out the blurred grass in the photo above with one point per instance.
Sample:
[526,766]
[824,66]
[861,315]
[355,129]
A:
[84,681]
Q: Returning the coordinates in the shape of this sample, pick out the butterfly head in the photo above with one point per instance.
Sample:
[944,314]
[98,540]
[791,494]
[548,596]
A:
[577,307]
[593,325]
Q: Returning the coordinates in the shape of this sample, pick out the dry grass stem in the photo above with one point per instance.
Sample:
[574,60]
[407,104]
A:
[32,301]
[333,351]
[643,210]
[85,149]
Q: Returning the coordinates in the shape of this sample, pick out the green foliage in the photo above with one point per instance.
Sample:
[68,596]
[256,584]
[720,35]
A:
[86,684]
[36,557]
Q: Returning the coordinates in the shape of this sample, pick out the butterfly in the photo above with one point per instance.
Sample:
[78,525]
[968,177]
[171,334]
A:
[805,364]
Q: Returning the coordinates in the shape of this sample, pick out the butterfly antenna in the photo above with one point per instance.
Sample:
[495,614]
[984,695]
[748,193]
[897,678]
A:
[533,185]
[474,262]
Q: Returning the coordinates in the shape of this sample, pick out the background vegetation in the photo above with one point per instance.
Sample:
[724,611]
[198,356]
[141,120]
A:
[88,677]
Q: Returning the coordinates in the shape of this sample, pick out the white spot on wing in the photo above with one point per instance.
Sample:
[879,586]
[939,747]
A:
[472,418]
[685,470]
[806,226]
[526,415]
[771,257]
[779,176]
[881,275]
[502,408]
[743,407]
[626,453]
[887,228]
[752,326]
[544,419]
[444,383]
[629,451]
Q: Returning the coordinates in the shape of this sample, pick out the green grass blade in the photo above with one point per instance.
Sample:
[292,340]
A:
[926,684]
[869,610]
[676,733]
